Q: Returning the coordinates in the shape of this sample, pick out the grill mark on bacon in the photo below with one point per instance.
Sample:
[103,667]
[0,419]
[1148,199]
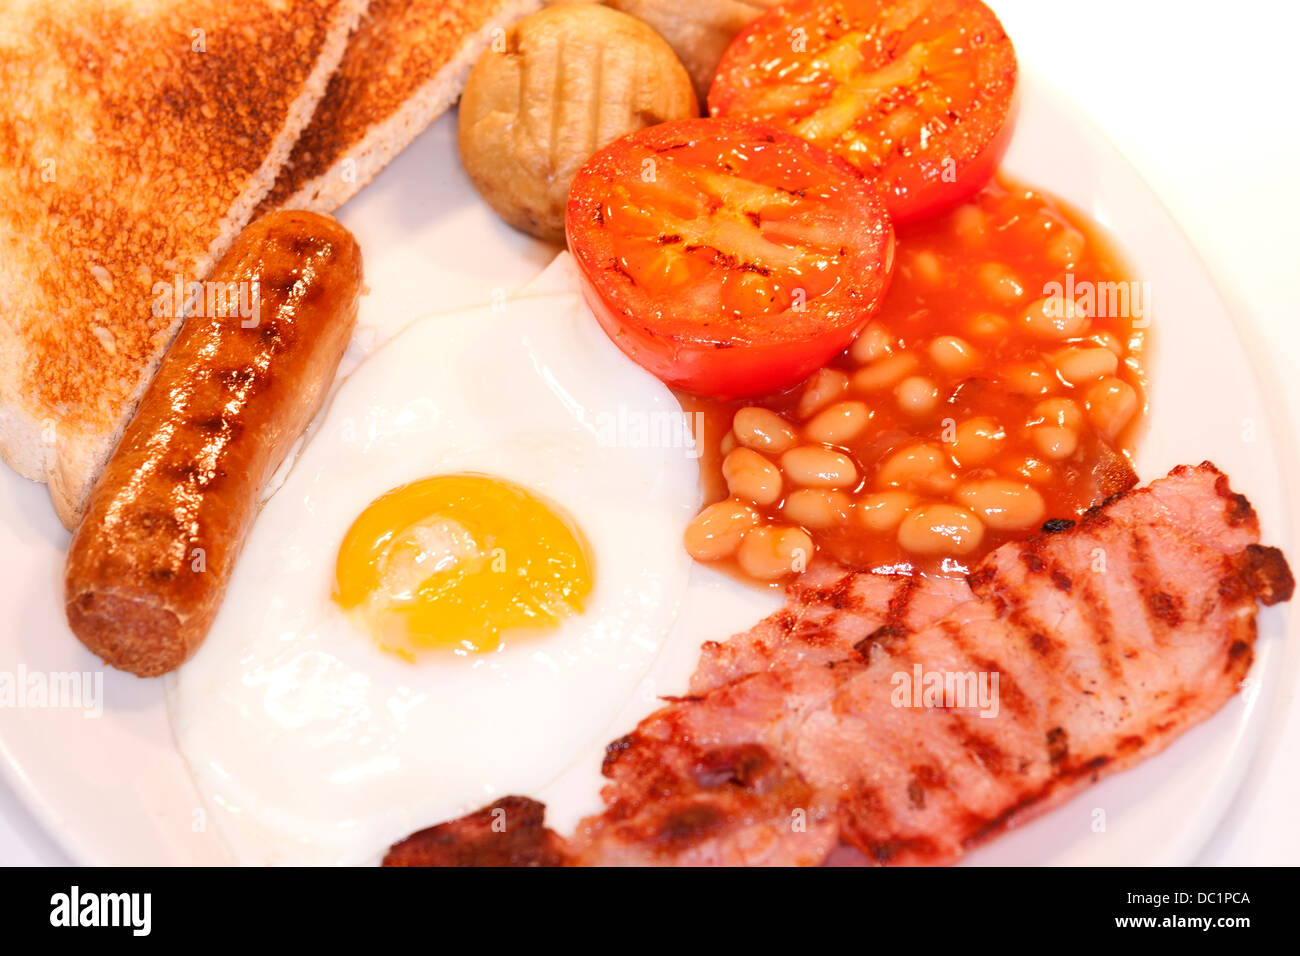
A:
[980,579]
[1061,580]
[827,611]
[900,602]
[812,633]
[1166,608]
[838,594]
[1163,610]
[1058,746]
[884,637]
[862,812]
[982,749]
[1040,643]
[1017,604]
[1099,625]
[1010,695]
[953,630]
[1022,807]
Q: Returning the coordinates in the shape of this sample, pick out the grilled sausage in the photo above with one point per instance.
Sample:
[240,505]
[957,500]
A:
[149,564]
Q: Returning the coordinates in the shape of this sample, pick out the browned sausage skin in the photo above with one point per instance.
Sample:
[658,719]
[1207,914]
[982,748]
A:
[148,565]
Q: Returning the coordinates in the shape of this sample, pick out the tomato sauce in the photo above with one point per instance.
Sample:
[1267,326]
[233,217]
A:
[1000,384]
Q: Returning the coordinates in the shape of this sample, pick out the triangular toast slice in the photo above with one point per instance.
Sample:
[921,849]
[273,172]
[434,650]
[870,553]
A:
[405,65]
[136,139]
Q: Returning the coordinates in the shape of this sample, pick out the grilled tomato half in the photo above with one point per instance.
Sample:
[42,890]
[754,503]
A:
[727,258]
[918,94]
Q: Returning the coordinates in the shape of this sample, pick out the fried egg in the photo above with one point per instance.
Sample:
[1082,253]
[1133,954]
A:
[472,565]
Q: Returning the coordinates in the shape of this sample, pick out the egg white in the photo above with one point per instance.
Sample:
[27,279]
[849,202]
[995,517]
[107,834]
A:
[308,743]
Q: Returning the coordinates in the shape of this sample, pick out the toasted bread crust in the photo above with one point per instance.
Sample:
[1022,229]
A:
[136,141]
[405,65]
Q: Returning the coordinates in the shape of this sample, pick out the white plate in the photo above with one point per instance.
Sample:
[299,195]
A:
[111,789]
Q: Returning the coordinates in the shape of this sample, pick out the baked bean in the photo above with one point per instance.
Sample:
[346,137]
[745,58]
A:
[927,267]
[1035,470]
[715,533]
[1111,405]
[1055,317]
[921,467]
[976,441]
[883,510]
[987,325]
[814,467]
[1037,226]
[772,552]
[1054,442]
[1063,412]
[1030,378]
[1001,283]
[955,356]
[824,387]
[917,395]
[885,373]
[1078,366]
[873,343]
[976,402]
[816,507]
[970,222]
[763,430]
[939,528]
[838,424]
[1107,340]
[1003,505]
[1066,248]
[751,476]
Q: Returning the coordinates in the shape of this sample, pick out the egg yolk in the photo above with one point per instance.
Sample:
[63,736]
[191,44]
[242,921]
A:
[455,560]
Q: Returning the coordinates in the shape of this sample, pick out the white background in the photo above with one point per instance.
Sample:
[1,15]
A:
[1201,97]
